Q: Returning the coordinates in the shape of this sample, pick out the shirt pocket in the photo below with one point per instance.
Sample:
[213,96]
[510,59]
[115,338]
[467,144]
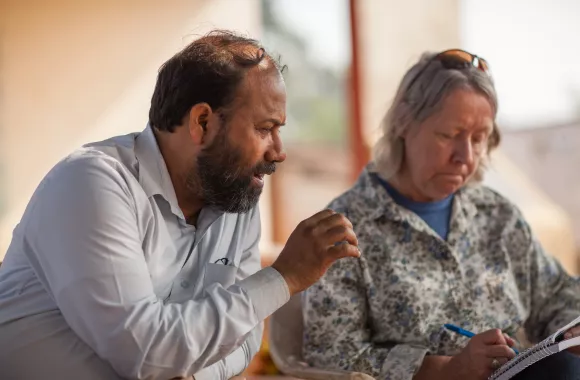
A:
[224,275]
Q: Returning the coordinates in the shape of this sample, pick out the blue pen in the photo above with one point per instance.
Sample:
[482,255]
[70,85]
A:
[459,330]
[469,334]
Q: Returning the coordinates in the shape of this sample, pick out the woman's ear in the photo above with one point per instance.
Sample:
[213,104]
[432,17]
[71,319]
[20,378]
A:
[403,132]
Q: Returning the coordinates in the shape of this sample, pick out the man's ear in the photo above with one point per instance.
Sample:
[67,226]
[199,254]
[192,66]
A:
[198,119]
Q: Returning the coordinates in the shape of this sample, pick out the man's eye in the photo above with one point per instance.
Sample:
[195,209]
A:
[264,131]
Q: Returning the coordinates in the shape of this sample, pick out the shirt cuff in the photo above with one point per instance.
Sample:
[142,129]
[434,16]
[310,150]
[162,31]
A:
[208,373]
[403,362]
[233,365]
[236,362]
[268,291]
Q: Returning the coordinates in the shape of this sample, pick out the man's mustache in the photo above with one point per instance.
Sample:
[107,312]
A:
[265,168]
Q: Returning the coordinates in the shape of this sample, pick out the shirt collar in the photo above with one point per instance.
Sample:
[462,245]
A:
[415,206]
[153,174]
[379,204]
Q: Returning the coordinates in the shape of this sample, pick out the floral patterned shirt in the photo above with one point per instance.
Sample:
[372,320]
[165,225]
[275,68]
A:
[383,312]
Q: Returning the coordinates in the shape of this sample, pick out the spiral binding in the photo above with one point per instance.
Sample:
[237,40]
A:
[518,364]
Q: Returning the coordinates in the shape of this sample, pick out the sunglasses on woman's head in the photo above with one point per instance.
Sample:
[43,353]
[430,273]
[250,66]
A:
[461,59]
[455,59]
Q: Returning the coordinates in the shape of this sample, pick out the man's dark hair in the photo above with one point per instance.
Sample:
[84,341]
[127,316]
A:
[208,70]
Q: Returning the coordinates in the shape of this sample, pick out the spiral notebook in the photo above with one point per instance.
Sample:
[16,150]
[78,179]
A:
[549,346]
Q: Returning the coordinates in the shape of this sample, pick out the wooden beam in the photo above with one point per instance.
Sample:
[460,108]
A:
[358,147]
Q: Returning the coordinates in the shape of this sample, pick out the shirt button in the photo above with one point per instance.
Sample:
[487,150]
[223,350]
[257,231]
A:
[184,284]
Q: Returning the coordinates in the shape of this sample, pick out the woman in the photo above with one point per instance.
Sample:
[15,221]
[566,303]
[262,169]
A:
[437,246]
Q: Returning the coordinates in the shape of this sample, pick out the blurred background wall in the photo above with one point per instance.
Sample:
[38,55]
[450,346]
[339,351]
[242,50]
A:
[72,72]
[78,71]
[346,59]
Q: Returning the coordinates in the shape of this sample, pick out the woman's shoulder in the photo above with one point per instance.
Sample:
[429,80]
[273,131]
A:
[491,205]
[484,196]
[352,204]
[343,203]
[362,200]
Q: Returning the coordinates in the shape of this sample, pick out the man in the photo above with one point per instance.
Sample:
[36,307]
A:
[137,257]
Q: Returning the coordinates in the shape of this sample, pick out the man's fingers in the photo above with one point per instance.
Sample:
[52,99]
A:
[340,234]
[314,219]
[332,221]
[342,250]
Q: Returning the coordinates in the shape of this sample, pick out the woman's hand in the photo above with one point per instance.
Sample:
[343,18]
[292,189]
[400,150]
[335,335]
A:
[484,353]
[573,332]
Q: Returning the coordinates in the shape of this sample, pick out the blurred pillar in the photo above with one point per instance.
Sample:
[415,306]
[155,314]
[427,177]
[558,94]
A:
[392,34]
[359,148]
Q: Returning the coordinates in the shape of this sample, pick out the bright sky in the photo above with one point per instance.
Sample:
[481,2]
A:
[324,24]
[533,47]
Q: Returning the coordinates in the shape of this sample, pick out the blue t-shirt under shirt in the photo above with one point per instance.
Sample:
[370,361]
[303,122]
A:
[436,214]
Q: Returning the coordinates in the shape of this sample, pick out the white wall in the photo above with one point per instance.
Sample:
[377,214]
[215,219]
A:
[78,71]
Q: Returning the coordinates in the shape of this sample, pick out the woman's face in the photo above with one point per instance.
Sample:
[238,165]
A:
[444,151]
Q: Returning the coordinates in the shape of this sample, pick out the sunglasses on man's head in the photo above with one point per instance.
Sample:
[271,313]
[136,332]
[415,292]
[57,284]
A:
[456,59]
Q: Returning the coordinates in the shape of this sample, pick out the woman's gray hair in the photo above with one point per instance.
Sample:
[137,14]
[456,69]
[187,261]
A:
[421,94]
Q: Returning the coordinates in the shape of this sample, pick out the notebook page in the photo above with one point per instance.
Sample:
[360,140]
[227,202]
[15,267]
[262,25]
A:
[566,328]
[572,342]
[547,347]
[524,360]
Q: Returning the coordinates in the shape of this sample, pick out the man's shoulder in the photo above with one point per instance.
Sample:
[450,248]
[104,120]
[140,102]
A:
[91,167]
[115,150]
[86,182]
[113,155]
[86,163]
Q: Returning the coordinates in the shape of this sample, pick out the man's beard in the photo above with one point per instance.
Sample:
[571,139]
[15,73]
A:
[221,181]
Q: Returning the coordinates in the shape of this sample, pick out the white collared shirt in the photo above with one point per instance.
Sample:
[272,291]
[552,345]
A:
[104,251]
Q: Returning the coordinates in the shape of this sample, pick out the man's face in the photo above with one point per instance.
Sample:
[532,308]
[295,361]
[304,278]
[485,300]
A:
[229,172]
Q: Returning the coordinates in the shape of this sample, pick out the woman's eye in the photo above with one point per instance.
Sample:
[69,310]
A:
[479,139]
